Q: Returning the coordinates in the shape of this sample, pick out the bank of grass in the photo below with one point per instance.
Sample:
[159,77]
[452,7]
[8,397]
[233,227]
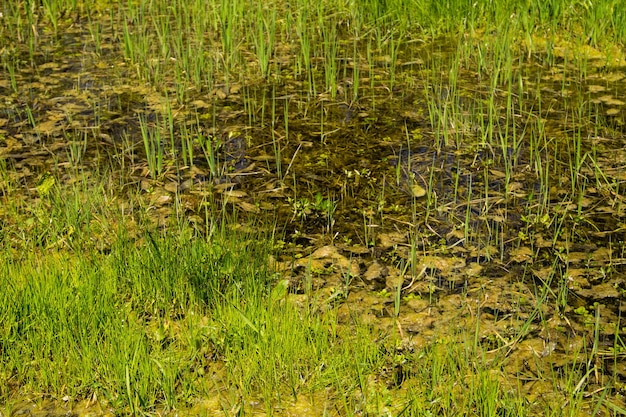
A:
[156,321]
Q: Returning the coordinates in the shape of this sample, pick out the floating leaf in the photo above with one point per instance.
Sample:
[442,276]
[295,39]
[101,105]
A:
[249,207]
[417,191]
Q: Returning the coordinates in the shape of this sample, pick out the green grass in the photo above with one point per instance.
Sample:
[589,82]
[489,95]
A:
[150,320]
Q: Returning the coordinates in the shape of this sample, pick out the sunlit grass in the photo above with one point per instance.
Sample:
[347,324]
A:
[145,323]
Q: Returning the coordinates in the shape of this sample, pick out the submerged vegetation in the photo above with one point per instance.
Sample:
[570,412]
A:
[312,208]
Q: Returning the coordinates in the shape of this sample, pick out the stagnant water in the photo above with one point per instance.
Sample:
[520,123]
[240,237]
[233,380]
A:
[467,196]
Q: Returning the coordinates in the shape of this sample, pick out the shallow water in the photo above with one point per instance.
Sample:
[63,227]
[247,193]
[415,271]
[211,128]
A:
[468,194]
